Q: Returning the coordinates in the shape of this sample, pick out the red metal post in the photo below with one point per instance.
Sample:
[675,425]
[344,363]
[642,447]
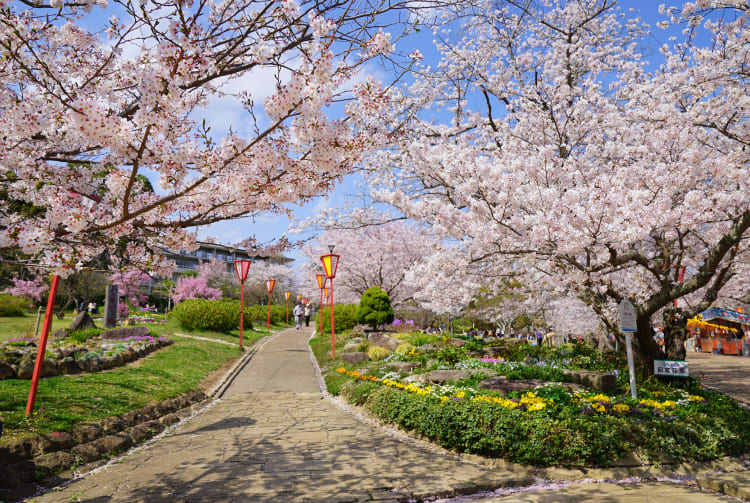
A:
[287,311]
[42,344]
[242,309]
[269,313]
[321,311]
[333,336]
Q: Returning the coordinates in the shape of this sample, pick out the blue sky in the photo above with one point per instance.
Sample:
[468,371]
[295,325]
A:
[224,112]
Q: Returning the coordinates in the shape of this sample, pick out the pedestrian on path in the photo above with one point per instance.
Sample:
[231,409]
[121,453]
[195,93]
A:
[298,315]
[307,315]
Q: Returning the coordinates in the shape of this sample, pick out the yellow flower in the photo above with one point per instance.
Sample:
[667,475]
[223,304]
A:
[537,406]
[341,370]
[657,393]
[621,408]
[444,398]
[696,398]
[669,403]
[598,407]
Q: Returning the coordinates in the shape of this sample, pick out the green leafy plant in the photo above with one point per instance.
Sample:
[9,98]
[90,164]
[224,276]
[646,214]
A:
[378,353]
[82,336]
[12,306]
[375,308]
[206,315]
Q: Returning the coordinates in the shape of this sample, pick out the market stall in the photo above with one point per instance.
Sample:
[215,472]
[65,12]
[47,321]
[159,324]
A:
[720,331]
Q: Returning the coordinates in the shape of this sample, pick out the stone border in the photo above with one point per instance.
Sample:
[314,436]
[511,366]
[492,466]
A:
[49,454]
[629,469]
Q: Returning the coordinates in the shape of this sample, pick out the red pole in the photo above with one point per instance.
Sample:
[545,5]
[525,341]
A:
[269,313]
[321,311]
[242,309]
[287,312]
[42,344]
[333,337]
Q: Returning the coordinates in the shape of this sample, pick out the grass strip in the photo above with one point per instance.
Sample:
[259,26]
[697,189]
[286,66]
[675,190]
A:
[91,397]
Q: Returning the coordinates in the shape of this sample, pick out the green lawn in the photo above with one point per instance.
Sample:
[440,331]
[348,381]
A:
[69,399]
[23,326]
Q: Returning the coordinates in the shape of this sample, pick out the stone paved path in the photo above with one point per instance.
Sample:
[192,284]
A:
[274,438]
[726,373]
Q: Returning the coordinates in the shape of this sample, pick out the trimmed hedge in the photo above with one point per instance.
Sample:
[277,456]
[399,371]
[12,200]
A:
[12,306]
[345,317]
[216,315]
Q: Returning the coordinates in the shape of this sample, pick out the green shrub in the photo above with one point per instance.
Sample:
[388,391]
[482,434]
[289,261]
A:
[82,336]
[12,306]
[345,317]
[375,308]
[202,314]
[378,353]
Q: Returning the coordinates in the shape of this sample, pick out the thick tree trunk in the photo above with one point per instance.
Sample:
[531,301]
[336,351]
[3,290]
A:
[645,348]
[675,333]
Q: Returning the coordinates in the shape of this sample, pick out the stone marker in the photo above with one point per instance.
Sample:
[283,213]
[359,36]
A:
[110,306]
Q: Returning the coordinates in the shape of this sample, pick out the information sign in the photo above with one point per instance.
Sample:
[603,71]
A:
[627,317]
[674,368]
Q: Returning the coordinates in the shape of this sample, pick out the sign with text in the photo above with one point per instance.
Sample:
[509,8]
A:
[627,317]
[674,368]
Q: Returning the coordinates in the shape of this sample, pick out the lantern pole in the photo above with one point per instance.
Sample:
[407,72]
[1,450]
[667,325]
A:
[242,310]
[42,345]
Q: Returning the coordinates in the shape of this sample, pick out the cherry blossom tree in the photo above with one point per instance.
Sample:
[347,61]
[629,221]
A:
[28,289]
[194,287]
[547,146]
[103,144]
[373,256]
[129,285]
[218,276]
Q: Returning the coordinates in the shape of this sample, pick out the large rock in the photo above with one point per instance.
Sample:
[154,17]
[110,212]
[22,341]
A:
[124,333]
[50,369]
[351,347]
[403,366]
[6,371]
[598,381]
[25,368]
[355,357]
[443,376]
[60,334]
[82,322]
[379,339]
[504,385]
[55,462]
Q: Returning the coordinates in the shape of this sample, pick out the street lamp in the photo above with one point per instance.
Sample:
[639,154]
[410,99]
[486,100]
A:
[242,267]
[286,296]
[299,297]
[330,264]
[269,287]
[321,284]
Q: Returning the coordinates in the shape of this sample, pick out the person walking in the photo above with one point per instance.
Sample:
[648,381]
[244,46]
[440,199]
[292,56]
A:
[307,315]
[298,315]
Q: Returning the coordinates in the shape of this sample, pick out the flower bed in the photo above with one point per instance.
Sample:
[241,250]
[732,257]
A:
[550,424]
[79,353]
